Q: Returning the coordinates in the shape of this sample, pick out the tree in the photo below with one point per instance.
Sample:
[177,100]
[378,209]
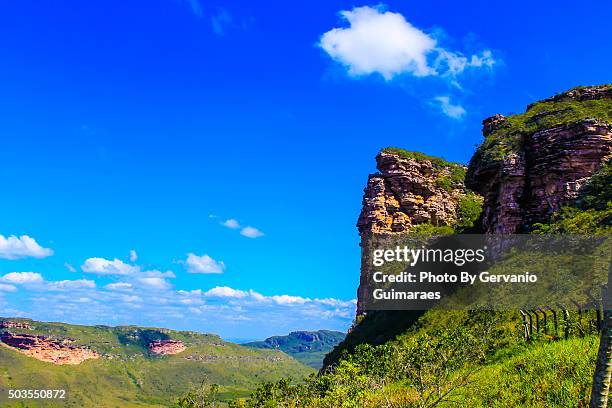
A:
[204,396]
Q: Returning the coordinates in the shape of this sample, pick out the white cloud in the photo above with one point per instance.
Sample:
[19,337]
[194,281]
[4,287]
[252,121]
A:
[7,288]
[231,223]
[154,282]
[133,255]
[24,246]
[69,267]
[449,109]
[203,264]
[226,292]
[119,286]
[379,41]
[251,232]
[101,266]
[22,278]
[383,42]
[289,300]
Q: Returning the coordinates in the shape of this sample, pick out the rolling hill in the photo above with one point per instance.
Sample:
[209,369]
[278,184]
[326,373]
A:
[308,347]
[128,366]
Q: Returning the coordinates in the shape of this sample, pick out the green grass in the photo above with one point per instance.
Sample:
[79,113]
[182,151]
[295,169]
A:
[436,161]
[548,375]
[132,378]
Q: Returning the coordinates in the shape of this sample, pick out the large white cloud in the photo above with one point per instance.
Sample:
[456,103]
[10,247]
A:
[22,278]
[101,266]
[203,264]
[384,42]
[14,247]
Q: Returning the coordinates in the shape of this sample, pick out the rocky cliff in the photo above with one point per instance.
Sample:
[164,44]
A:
[409,189]
[529,165]
[46,349]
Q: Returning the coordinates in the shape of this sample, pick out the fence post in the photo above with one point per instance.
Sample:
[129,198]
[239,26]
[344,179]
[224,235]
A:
[554,313]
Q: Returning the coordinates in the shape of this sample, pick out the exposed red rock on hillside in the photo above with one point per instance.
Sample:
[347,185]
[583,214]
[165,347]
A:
[11,324]
[166,347]
[45,349]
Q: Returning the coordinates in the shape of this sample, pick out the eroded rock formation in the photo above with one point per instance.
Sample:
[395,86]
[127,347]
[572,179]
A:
[547,169]
[409,191]
[12,324]
[166,347]
[48,350]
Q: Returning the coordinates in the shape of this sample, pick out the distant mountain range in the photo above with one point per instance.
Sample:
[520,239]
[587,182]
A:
[308,347]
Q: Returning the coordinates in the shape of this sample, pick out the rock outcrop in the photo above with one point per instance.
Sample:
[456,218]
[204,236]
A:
[48,350]
[12,324]
[409,191]
[542,169]
[166,347]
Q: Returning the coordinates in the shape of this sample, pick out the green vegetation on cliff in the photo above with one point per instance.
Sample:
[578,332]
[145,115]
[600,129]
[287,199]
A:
[557,111]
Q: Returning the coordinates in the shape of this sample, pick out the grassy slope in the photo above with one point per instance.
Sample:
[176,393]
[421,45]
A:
[132,378]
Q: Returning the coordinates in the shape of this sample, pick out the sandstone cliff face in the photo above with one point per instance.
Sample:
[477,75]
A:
[166,347]
[406,192]
[544,169]
[48,350]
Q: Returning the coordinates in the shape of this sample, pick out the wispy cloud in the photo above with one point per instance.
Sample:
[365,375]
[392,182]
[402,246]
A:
[449,109]
[133,255]
[220,20]
[69,267]
[14,247]
[196,7]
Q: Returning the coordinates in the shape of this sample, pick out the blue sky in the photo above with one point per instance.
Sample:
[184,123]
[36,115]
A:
[146,126]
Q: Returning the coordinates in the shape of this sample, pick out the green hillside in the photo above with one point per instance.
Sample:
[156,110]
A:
[127,375]
[308,347]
